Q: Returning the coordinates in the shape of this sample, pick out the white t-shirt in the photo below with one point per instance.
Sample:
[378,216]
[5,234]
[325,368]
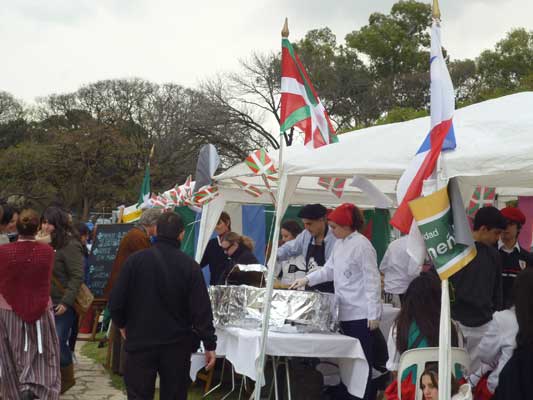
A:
[398,268]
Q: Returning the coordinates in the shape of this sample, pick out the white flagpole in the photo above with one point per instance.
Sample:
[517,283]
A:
[445,351]
[260,367]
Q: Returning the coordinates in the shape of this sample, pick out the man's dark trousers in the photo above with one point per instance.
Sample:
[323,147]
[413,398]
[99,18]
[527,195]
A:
[172,362]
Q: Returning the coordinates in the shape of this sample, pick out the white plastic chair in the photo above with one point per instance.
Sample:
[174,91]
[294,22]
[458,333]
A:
[420,357]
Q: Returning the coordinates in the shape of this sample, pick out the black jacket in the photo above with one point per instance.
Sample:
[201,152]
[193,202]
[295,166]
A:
[243,256]
[514,381]
[477,288]
[216,258]
[162,302]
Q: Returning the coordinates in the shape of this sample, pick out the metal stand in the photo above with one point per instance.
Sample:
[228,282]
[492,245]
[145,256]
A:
[276,362]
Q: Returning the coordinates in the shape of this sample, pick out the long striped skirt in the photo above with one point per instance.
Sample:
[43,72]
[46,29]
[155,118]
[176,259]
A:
[27,362]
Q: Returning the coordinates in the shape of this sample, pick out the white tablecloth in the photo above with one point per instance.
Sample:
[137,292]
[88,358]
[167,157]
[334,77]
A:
[242,347]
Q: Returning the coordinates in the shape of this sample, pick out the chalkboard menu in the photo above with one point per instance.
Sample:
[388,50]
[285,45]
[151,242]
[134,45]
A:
[102,256]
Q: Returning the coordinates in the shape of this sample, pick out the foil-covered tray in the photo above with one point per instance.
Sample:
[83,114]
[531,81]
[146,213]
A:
[291,310]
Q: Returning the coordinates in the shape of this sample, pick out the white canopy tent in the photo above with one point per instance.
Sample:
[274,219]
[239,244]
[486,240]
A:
[494,148]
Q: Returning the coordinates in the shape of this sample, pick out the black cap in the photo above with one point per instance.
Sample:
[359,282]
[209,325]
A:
[313,211]
[489,217]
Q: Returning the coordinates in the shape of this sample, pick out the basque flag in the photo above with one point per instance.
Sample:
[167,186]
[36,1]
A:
[441,135]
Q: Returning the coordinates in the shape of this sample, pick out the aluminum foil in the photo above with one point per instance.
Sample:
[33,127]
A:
[291,310]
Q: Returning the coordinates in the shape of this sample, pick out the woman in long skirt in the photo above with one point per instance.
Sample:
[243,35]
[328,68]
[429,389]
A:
[29,348]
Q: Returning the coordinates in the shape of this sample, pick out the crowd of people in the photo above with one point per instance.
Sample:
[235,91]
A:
[161,312]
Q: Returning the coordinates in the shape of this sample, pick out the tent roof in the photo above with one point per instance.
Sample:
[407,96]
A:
[494,148]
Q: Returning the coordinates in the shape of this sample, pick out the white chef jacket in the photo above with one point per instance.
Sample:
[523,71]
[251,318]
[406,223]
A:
[398,268]
[353,269]
[496,347]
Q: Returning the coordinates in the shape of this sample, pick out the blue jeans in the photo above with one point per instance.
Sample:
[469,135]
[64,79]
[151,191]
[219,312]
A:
[64,324]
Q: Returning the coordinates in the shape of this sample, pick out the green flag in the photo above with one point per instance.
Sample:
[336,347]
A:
[442,221]
[144,195]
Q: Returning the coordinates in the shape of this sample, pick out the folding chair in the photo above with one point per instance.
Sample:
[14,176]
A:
[420,357]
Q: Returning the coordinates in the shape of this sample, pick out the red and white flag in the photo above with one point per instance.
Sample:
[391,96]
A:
[300,105]
[441,137]
[334,185]
[248,188]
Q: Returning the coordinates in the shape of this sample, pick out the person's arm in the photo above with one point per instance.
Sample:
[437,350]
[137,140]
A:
[490,345]
[207,252]
[394,357]
[371,281]
[200,306]
[386,262]
[413,268]
[72,255]
[293,248]
[324,274]
[118,301]
[497,293]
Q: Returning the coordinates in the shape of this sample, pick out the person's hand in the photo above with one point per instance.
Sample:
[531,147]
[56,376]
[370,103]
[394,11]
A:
[123,333]
[298,283]
[60,309]
[373,324]
[210,359]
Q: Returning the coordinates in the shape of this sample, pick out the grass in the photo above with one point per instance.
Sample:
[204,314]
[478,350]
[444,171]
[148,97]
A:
[91,350]
[99,355]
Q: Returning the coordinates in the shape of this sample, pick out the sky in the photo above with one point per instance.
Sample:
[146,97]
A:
[56,46]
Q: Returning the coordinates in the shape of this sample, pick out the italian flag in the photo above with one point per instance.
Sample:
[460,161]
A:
[300,105]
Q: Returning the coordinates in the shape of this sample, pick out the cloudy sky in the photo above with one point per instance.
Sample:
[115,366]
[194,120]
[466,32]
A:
[55,46]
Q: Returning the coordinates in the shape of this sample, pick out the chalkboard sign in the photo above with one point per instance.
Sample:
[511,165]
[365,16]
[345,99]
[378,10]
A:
[102,256]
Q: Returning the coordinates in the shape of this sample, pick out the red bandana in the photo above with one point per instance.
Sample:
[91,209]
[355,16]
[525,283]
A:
[26,269]
[342,215]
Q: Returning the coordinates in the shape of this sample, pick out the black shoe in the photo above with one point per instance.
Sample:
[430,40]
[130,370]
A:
[27,395]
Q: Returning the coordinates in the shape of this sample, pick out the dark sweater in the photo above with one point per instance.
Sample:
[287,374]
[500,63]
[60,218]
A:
[215,257]
[162,304]
[477,288]
[515,379]
[511,268]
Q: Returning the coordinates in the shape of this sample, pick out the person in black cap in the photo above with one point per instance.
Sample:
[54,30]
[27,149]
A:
[514,258]
[477,288]
[315,243]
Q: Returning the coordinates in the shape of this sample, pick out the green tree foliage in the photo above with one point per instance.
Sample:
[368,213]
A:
[89,148]
[397,49]
[504,68]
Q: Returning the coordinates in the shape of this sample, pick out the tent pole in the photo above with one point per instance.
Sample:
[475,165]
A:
[269,287]
[445,344]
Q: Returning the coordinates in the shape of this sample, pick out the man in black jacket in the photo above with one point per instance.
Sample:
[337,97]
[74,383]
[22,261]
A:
[477,288]
[159,299]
